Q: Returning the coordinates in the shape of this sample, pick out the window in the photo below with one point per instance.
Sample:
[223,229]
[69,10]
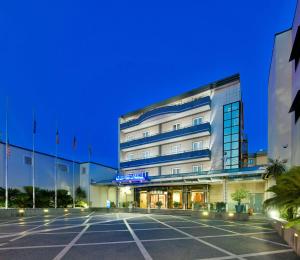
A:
[83,170]
[296,106]
[175,170]
[146,134]
[146,154]
[231,135]
[250,161]
[130,156]
[197,145]
[129,138]
[62,167]
[197,168]
[175,149]
[28,160]
[197,121]
[176,127]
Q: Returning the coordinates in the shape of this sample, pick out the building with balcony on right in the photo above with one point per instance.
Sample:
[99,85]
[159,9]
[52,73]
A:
[284,95]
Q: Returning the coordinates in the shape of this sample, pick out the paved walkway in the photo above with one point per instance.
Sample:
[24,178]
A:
[138,236]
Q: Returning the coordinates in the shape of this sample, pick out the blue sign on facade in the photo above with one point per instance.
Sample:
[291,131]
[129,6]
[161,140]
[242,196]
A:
[133,178]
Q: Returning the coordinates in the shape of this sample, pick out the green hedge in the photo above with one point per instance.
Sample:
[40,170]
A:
[43,198]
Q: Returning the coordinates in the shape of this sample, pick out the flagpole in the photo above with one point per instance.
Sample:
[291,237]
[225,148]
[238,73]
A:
[55,169]
[33,162]
[6,157]
[73,173]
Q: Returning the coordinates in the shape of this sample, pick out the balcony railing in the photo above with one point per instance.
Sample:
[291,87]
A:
[205,127]
[186,155]
[167,110]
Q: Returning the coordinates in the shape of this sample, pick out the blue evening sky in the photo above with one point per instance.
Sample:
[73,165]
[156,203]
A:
[84,63]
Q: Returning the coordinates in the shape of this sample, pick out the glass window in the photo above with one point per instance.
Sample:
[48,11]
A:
[227,131]
[235,106]
[235,145]
[130,156]
[250,161]
[146,154]
[234,153]
[227,139]
[175,170]
[175,149]
[234,160]
[227,108]
[235,121]
[146,134]
[227,123]
[235,137]
[235,129]
[227,116]
[234,166]
[227,166]
[197,121]
[176,127]
[235,114]
[227,146]
[197,168]
[227,153]
[197,145]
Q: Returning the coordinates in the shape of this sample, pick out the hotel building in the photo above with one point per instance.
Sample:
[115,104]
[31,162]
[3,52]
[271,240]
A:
[189,149]
[284,95]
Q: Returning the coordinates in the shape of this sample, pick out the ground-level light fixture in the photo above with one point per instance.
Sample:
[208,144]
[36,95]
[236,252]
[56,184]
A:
[274,213]
[230,214]
[296,235]
[21,210]
[46,210]
[66,210]
[205,213]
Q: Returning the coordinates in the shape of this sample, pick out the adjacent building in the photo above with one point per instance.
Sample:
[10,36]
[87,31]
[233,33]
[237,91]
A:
[20,165]
[189,149]
[284,96]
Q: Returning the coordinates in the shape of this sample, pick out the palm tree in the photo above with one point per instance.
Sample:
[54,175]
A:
[275,168]
[287,193]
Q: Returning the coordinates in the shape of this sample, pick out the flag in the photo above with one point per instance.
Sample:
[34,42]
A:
[8,150]
[34,126]
[74,143]
[57,137]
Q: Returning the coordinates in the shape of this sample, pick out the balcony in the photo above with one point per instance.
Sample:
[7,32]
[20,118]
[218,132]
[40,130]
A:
[167,110]
[202,128]
[187,155]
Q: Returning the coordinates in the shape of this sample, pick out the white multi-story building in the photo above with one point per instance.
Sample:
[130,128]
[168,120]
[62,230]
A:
[284,95]
[189,148]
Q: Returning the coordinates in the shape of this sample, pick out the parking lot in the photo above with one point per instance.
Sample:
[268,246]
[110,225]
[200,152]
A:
[138,236]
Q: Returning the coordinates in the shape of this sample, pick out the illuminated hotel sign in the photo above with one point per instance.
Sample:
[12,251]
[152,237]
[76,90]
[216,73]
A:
[133,178]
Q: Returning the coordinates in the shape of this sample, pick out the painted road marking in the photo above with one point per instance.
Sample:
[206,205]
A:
[138,242]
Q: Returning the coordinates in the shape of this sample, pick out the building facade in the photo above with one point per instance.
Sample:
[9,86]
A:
[20,172]
[284,96]
[190,149]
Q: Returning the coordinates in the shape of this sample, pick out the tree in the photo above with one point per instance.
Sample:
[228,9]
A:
[80,196]
[239,195]
[286,194]
[275,168]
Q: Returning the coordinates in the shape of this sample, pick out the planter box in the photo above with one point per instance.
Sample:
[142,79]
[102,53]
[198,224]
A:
[290,235]
[220,215]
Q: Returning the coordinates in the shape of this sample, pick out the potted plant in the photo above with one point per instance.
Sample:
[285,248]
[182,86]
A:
[176,204]
[221,206]
[158,204]
[238,196]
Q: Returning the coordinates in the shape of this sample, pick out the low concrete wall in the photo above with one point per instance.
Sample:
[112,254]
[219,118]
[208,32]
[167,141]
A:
[220,215]
[290,235]
[6,213]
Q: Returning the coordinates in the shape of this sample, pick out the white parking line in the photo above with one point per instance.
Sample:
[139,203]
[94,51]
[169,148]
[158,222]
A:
[241,234]
[199,240]
[69,246]
[138,242]
[250,255]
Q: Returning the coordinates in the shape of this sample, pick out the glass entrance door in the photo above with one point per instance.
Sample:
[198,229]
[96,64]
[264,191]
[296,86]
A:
[154,198]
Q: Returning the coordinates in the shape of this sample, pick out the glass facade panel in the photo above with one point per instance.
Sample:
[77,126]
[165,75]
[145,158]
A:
[231,134]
